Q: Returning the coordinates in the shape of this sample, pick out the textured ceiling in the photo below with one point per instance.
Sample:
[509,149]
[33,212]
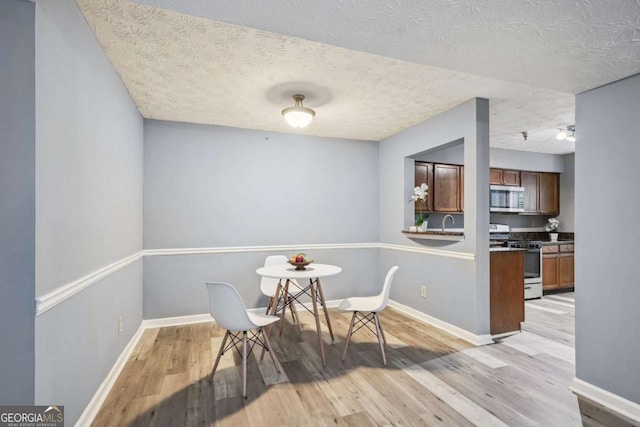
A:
[186,68]
[565,45]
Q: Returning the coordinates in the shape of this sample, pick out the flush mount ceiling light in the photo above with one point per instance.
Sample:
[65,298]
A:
[564,134]
[298,116]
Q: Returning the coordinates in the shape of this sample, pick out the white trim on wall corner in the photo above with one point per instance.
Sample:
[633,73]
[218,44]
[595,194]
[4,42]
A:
[91,410]
[248,249]
[51,299]
[58,295]
[474,339]
[430,251]
[609,400]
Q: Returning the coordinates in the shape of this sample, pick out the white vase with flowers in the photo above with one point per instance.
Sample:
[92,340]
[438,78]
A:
[419,197]
[552,228]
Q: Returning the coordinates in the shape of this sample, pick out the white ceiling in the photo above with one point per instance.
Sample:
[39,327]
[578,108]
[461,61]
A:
[369,68]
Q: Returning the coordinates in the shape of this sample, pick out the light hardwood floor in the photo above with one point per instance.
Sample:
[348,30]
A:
[432,378]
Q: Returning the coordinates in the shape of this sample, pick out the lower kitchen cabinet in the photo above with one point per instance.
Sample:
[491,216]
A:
[566,278]
[506,278]
[558,266]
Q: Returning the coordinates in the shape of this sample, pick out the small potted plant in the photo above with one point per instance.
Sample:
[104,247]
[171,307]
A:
[552,228]
[420,198]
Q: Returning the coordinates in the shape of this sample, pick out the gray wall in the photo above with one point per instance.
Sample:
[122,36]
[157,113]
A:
[526,160]
[88,207]
[607,291]
[89,153]
[452,153]
[212,186]
[17,206]
[567,194]
[463,298]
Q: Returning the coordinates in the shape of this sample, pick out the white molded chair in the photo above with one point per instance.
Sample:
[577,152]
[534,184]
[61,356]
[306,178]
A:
[365,310]
[228,310]
[269,287]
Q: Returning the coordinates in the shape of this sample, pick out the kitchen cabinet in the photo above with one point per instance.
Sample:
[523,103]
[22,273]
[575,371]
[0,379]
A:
[424,173]
[448,188]
[529,180]
[566,275]
[506,303]
[504,177]
[558,266]
[461,188]
[549,267]
[549,193]
[541,192]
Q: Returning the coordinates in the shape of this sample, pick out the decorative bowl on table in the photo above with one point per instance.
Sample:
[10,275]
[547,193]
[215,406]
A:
[300,261]
[300,265]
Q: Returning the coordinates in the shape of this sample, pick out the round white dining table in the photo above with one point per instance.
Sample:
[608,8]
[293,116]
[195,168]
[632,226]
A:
[292,290]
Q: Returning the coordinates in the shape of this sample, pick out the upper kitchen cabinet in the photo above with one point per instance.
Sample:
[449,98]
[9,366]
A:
[549,190]
[424,174]
[504,177]
[448,190]
[541,192]
[529,180]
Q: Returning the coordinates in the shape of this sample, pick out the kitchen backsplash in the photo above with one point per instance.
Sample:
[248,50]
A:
[519,221]
[538,235]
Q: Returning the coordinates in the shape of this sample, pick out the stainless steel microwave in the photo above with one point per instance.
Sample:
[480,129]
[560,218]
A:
[504,198]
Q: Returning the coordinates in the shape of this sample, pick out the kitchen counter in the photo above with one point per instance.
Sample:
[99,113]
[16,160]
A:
[435,235]
[503,249]
[559,242]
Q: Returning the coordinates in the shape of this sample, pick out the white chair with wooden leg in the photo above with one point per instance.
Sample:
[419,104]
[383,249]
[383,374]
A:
[272,288]
[228,310]
[365,311]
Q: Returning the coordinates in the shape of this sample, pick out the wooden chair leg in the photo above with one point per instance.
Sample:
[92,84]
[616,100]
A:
[215,365]
[274,309]
[379,333]
[268,344]
[346,342]
[244,364]
[269,305]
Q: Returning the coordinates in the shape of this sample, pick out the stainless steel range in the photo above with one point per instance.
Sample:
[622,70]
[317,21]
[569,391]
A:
[532,267]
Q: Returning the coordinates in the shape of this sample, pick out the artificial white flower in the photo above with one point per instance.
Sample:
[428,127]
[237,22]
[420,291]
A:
[552,225]
[419,197]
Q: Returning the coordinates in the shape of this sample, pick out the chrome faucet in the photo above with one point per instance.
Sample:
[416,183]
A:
[444,220]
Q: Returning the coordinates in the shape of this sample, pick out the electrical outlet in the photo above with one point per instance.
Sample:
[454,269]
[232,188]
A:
[423,291]
[120,325]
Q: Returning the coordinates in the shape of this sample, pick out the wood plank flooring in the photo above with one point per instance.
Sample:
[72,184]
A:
[432,378]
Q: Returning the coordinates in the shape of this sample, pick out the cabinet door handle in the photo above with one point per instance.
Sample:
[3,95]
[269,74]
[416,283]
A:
[527,287]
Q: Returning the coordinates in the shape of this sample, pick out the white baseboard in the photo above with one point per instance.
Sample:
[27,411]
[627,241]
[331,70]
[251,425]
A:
[607,399]
[474,339]
[176,321]
[90,412]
